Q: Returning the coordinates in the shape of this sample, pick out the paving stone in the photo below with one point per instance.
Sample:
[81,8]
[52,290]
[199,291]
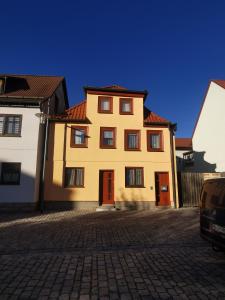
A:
[155,254]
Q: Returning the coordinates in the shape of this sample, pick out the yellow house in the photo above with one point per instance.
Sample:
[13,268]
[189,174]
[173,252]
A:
[110,150]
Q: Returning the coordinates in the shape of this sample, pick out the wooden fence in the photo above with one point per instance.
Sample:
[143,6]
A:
[190,185]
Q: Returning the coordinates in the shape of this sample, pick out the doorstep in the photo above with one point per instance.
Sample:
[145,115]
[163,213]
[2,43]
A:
[106,207]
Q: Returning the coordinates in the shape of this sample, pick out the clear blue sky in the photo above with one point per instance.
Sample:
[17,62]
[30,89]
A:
[171,48]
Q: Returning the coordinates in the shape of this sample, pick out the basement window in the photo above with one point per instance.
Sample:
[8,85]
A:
[10,173]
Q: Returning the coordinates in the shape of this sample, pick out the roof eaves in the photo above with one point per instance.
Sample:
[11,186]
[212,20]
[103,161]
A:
[123,91]
[65,120]
[183,148]
[221,83]
[157,123]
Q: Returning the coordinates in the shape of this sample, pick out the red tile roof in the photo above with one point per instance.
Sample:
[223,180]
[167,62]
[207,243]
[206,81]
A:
[220,82]
[75,113]
[183,143]
[150,117]
[30,86]
[78,113]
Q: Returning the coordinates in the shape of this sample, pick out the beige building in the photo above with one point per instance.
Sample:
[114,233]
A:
[110,150]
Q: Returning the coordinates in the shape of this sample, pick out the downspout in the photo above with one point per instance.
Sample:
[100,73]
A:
[43,162]
[172,130]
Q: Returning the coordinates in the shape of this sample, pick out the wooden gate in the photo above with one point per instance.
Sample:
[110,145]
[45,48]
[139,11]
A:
[190,185]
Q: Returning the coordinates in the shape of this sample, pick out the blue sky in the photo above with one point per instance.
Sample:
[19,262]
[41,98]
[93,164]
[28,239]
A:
[171,48]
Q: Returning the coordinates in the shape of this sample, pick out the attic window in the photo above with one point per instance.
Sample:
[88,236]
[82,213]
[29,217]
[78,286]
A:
[188,158]
[105,105]
[2,86]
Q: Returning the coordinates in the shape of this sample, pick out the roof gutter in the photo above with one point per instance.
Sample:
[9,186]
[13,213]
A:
[43,162]
[157,124]
[22,97]
[68,121]
[173,128]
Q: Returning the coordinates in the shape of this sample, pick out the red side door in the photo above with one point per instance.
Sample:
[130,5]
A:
[162,189]
[107,186]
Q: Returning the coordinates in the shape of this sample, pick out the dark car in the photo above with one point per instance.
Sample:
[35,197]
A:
[212,212]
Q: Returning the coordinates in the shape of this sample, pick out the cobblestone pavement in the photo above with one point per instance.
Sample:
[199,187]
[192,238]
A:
[154,254]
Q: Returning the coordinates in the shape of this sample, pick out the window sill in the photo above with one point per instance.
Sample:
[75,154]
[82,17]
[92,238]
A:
[103,147]
[105,112]
[132,149]
[135,186]
[126,113]
[155,150]
[10,135]
[78,146]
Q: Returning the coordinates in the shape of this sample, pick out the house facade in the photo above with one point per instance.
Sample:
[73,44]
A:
[111,150]
[208,141]
[23,99]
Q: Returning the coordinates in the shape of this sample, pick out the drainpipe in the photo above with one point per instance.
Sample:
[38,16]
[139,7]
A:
[44,156]
[173,128]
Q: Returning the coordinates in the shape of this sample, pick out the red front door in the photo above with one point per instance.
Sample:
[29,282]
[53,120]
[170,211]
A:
[162,189]
[106,187]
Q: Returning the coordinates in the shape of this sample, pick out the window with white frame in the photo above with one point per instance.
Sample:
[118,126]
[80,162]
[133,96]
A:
[10,125]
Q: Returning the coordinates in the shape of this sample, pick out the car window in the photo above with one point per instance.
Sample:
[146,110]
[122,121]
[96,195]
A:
[204,196]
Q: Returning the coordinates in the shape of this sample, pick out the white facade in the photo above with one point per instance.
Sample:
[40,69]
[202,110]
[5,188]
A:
[22,150]
[208,138]
[179,159]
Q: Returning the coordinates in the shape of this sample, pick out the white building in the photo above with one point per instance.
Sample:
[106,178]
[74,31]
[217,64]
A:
[208,136]
[183,148]
[22,99]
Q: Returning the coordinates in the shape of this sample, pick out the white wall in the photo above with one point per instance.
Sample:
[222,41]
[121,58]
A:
[210,131]
[24,150]
[179,159]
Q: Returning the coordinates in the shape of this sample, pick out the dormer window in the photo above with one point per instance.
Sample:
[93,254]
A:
[105,105]
[126,106]
[2,86]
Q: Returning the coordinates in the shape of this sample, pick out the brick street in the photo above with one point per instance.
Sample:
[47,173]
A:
[154,254]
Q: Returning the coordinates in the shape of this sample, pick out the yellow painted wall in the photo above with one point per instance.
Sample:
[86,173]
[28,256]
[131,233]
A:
[93,158]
